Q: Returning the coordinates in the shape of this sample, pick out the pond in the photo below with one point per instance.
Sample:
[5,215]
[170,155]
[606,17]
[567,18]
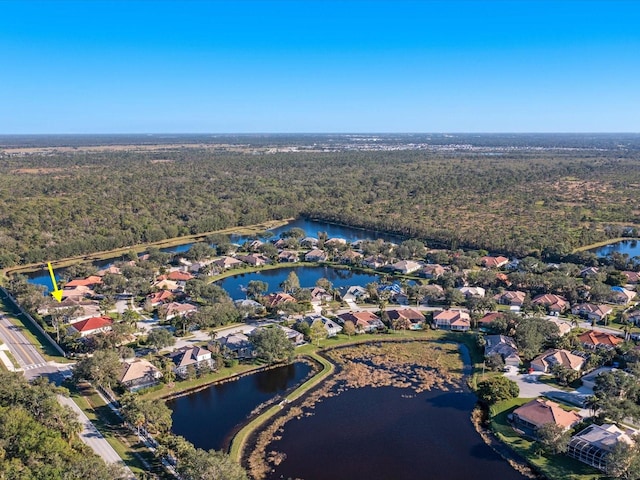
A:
[308,277]
[630,247]
[389,434]
[208,417]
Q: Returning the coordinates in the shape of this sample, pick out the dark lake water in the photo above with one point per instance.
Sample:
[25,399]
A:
[207,417]
[630,247]
[307,275]
[380,434]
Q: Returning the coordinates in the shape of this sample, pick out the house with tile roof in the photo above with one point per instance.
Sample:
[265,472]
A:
[160,297]
[185,357]
[238,346]
[503,346]
[632,277]
[363,320]
[511,298]
[90,282]
[539,412]
[595,313]
[416,317]
[175,309]
[594,340]
[432,271]
[406,266]
[288,256]
[316,255]
[92,325]
[490,317]
[494,262]
[254,259]
[470,292]
[456,320]
[228,262]
[179,276]
[138,374]
[555,304]
[276,299]
[621,295]
[330,326]
[551,358]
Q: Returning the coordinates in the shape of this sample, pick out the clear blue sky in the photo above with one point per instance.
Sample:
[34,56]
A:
[319,66]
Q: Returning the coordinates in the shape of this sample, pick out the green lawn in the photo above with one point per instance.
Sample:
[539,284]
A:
[553,467]
[124,442]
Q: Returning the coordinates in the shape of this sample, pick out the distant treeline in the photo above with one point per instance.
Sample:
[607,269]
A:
[541,203]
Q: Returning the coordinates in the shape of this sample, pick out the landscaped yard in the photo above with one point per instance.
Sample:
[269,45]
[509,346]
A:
[554,467]
[124,442]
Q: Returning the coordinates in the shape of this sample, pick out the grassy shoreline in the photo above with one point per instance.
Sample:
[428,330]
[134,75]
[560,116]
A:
[604,243]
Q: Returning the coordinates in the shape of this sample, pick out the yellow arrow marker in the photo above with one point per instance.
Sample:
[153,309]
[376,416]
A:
[57,294]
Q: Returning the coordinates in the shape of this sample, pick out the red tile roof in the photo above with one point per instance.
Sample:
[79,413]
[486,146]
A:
[597,339]
[93,323]
[179,276]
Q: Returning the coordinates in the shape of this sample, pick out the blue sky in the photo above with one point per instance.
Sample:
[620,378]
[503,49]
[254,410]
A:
[319,66]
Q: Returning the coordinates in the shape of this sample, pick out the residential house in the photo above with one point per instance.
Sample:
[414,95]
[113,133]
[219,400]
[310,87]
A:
[78,293]
[179,276]
[634,317]
[316,255]
[335,242]
[375,261]
[238,345]
[288,256]
[159,298]
[113,270]
[415,317]
[621,295]
[350,257]
[249,307]
[138,374]
[551,358]
[363,320]
[563,327]
[539,412]
[589,272]
[486,321]
[595,313]
[330,326]
[294,336]
[594,444]
[309,242]
[470,292]
[255,245]
[228,262]
[432,271]
[511,298]
[494,262]
[554,303]
[594,340]
[162,283]
[406,266]
[589,381]
[632,277]
[72,310]
[90,282]
[354,293]
[503,346]
[92,325]
[254,259]
[320,296]
[276,299]
[175,309]
[184,357]
[457,320]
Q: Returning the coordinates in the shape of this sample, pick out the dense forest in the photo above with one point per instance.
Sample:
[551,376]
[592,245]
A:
[38,436]
[530,202]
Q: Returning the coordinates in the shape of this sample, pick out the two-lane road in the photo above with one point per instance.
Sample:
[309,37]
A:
[27,355]
[34,365]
